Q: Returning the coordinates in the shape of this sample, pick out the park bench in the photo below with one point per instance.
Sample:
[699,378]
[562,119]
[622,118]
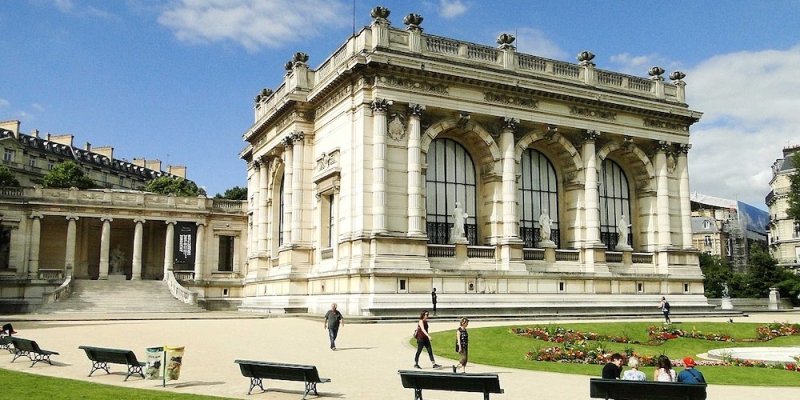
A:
[645,390]
[258,370]
[480,383]
[29,348]
[101,357]
[5,343]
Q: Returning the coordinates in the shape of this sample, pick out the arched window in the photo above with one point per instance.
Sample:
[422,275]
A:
[450,178]
[614,202]
[538,193]
[280,215]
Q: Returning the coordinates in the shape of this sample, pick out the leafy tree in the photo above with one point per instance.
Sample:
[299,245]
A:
[234,193]
[66,175]
[794,189]
[176,186]
[7,177]
[717,272]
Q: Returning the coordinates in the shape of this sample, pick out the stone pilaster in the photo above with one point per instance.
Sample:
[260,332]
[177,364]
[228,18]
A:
[105,246]
[169,247]
[255,209]
[200,252]
[591,195]
[662,195]
[35,241]
[263,196]
[415,210]
[297,188]
[510,216]
[380,107]
[686,209]
[136,270]
[288,175]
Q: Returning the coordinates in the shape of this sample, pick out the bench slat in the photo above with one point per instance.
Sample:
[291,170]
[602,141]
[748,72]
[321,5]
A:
[478,383]
[259,370]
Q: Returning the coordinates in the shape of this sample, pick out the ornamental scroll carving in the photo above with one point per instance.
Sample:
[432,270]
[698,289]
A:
[397,127]
[510,100]
[328,160]
[595,113]
[660,124]
[420,86]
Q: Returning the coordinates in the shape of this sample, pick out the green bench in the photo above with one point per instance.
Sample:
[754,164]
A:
[5,343]
[645,390]
[259,370]
[101,357]
[479,383]
[30,349]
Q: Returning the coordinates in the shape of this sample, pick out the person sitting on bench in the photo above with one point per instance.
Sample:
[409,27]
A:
[9,330]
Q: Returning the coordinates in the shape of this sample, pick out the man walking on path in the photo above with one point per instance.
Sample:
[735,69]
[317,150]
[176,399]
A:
[333,319]
[433,300]
[665,309]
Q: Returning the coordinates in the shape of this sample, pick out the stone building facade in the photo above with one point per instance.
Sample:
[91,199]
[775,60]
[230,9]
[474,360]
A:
[355,170]
[784,232]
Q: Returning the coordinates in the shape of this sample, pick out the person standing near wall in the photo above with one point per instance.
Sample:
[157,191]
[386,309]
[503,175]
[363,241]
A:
[433,300]
[333,319]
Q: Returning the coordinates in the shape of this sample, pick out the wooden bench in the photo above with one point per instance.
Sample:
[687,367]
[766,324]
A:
[29,348]
[258,370]
[101,357]
[479,383]
[647,390]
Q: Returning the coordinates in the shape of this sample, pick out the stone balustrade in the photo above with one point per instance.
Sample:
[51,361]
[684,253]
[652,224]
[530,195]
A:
[179,292]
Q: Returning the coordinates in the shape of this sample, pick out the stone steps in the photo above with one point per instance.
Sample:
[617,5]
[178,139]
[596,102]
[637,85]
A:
[119,297]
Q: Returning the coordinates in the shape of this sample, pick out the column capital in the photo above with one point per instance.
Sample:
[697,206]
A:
[416,110]
[201,223]
[139,220]
[298,136]
[170,222]
[36,215]
[591,135]
[106,218]
[683,148]
[380,105]
[72,217]
[662,146]
[509,123]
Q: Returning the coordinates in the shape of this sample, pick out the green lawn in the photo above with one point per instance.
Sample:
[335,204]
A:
[501,347]
[19,385]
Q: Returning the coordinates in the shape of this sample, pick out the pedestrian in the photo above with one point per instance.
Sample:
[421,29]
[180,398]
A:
[613,369]
[664,371]
[690,374]
[8,330]
[633,373]
[462,345]
[664,306]
[433,300]
[333,320]
[423,340]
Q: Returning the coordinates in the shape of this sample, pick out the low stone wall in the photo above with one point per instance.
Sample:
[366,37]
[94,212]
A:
[751,304]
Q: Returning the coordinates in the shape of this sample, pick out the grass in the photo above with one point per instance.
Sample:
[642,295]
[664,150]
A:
[499,346]
[19,385]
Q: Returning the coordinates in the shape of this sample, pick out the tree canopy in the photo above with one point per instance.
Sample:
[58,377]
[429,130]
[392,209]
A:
[66,175]
[7,178]
[234,193]
[176,186]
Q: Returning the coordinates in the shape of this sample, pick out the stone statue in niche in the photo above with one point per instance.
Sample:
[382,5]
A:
[623,232]
[117,261]
[459,218]
[545,229]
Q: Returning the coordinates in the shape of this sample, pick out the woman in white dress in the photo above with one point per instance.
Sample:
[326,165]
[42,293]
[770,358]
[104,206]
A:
[664,372]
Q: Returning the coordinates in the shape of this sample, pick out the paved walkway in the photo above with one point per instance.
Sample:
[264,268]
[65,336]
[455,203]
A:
[364,367]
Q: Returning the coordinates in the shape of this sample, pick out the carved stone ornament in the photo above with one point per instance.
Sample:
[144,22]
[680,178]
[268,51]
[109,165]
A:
[300,58]
[593,113]
[585,58]
[591,135]
[662,146]
[416,109]
[510,100]
[413,21]
[288,66]
[263,95]
[677,76]
[505,41]
[417,86]
[627,142]
[397,127]
[380,105]
[655,73]
[327,160]
[551,131]
[660,124]
[380,13]
[510,123]
[683,148]
[463,119]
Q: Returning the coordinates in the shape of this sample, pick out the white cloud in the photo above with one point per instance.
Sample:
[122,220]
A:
[638,65]
[533,41]
[4,103]
[252,23]
[751,113]
[452,8]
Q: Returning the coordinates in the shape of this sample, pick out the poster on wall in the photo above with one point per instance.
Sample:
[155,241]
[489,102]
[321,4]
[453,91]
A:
[185,233]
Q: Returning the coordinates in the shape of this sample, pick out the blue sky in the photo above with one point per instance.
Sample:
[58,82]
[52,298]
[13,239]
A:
[175,80]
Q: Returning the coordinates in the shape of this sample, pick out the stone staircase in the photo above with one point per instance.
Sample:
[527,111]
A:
[119,297]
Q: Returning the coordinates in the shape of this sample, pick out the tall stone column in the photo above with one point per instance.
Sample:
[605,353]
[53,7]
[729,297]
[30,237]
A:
[35,241]
[288,179]
[686,208]
[415,171]
[136,270]
[297,188]
[591,194]
[380,107]
[510,217]
[200,251]
[72,238]
[263,196]
[662,195]
[255,209]
[169,247]
[105,246]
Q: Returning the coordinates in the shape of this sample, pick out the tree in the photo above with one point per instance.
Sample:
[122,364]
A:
[794,189]
[717,272]
[234,193]
[7,177]
[176,186]
[66,175]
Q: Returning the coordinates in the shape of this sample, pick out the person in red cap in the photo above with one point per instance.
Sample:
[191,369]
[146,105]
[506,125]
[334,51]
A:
[689,373]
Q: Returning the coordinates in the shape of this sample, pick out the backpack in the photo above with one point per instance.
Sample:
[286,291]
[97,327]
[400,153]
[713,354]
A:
[666,306]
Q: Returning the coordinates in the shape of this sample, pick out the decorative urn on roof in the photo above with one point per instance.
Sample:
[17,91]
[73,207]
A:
[413,21]
[655,73]
[677,75]
[585,58]
[505,40]
[380,13]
